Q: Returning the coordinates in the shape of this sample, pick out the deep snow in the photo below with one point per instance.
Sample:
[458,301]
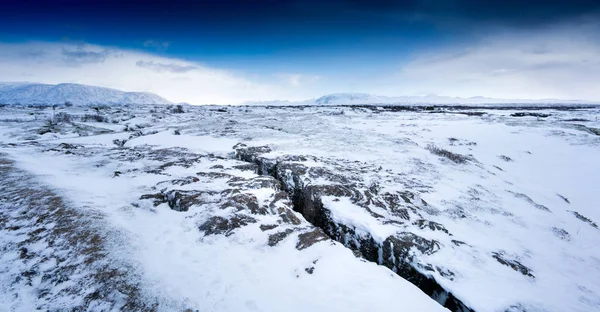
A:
[526,196]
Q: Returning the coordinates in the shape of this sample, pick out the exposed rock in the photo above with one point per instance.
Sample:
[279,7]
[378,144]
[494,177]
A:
[180,182]
[445,273]
[183,200]
[157,198]
[69,146]
[434,226]
[525,114]
[513,264]
[247,167]
[401,244]
[266,227]
[249,153]
[396,255]
[297,178]
[288,216]
[457,242]
[220,225]
[529,200]
[561,233]
[564,198]
[584,219]
[256,183]
[308,239]
[215,175]
[280,199]
[244,201]
[274,239]
[119,143]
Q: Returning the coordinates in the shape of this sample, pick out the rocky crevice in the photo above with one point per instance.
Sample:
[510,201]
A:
[393,252]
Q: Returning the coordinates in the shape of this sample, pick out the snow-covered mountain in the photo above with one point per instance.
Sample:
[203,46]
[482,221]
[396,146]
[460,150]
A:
[349,98]
[369,99]
[78,94]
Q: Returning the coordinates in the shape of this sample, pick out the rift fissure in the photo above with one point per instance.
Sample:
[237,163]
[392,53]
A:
[306,200]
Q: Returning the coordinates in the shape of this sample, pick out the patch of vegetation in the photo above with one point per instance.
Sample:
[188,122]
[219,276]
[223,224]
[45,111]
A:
[525,114]
[529,200]
[584,219]
[564,198]
[78,248]
[62,117]
[479,114]
[274,239]
[178,109]
[96,118]
[513,264]
[219,225]
[310,238]
[457,158]
[562,234]
[576,120]
[119,143]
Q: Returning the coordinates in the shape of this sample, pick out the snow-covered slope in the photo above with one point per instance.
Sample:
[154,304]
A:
[349,98]
[78,94]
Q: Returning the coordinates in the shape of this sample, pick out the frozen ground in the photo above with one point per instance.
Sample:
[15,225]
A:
[299,208]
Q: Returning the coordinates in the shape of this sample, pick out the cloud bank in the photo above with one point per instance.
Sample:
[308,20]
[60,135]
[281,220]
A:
[176,80]
[559,63]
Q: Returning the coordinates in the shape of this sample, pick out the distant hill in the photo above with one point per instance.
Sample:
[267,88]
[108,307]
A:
[78,94]
[370,99]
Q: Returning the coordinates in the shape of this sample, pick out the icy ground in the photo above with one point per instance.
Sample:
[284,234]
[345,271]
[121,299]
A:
[144,208]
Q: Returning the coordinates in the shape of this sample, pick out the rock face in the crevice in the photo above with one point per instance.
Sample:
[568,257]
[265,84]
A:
[228,200]
[396,252]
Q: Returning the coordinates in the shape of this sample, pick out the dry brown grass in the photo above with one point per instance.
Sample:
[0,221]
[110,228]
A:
[457,158]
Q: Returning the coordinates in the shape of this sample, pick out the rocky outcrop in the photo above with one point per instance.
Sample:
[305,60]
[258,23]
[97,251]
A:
[220,225]
[397,252]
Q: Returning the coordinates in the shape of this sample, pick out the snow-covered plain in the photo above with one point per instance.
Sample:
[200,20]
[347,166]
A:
[194,210]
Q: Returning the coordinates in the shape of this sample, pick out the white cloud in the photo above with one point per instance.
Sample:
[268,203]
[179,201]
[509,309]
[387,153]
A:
[79,55]
[159,67]
[297,80]
[551,63]
[176,80]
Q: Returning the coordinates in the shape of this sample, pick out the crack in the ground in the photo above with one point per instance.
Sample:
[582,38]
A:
[392,253]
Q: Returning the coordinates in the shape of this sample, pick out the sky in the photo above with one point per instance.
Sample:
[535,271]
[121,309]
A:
[226,52]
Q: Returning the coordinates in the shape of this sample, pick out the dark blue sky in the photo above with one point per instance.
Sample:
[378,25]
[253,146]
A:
[263,35]
[504,48]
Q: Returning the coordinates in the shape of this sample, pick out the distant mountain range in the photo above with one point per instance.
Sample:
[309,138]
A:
[78,94]
[370,99]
